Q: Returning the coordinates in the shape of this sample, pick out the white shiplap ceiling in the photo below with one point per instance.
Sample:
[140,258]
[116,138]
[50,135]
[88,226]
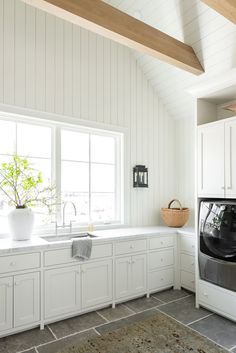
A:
[211,35]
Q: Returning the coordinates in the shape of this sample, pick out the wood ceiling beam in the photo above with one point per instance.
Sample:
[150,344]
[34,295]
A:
[226,8]
[105,20]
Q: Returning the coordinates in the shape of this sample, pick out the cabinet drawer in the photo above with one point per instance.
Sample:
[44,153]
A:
[187,280]
[187,244]
[187,263]
[161,279]
[63,256]
[127,247]
[159,259]
[161,242]
[222,300]
[19,262]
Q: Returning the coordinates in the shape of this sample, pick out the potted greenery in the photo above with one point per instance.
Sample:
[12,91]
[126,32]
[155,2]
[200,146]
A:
[23,187]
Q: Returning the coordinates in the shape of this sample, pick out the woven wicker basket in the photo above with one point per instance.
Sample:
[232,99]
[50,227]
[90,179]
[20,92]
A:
[175,217]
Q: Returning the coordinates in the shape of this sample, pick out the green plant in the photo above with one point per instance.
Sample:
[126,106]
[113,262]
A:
[23,185]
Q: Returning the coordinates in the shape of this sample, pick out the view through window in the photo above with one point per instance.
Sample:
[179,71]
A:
[84,164]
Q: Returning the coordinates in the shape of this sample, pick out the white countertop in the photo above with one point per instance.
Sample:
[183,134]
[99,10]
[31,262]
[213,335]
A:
[8,246]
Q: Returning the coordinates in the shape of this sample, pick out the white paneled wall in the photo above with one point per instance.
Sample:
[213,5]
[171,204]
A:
[52,66]
[184,163]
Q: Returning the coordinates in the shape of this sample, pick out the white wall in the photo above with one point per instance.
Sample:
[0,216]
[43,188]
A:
[52,66]
[184,162]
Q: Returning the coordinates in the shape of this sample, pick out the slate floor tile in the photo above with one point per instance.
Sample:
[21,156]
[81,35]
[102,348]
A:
[25,340]
[171,295]
[119,312]
[184,310]
[59,345]
[126,321]
[141,304]
[76,324]
[218,329]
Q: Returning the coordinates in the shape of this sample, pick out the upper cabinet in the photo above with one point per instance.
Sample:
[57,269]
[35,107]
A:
[217,159]
[230,158]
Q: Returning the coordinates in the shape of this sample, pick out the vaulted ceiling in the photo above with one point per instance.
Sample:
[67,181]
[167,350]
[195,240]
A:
[211,35]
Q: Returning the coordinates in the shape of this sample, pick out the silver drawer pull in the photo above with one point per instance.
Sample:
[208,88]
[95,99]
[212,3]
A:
[12,263]
[205,294]
[131,246]
[162,279]
[16,283]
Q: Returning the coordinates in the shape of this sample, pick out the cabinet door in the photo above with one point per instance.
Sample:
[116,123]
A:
[123,277]
[211,160]
[26,299]
[62,291]
[230,158]
[139,274]
[6,303]
[96,283]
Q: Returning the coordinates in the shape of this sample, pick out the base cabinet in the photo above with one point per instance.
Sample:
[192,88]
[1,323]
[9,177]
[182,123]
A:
[187,262]
[118,271]
[96,283]
[62,291]
[218,299]
[6,303]
[19,301]
[130,276]
[26,299]
[161,279]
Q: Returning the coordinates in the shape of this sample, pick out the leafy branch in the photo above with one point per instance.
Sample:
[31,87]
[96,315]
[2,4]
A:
[23,185]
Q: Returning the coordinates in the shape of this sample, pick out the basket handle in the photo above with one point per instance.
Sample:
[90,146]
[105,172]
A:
[175,200]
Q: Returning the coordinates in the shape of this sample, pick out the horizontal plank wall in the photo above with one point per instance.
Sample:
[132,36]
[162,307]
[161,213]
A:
[52,66]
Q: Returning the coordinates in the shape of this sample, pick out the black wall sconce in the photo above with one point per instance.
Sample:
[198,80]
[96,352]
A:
[140,176]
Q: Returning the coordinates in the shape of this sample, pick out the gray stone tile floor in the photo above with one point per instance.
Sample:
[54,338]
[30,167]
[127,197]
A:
[178,304]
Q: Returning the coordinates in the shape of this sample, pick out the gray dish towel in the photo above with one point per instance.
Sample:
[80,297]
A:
[82,248]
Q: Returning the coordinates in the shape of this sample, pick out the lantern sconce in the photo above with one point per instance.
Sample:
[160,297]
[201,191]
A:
[140,176]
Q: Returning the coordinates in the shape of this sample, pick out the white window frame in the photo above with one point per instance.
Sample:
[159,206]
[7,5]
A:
[56,128]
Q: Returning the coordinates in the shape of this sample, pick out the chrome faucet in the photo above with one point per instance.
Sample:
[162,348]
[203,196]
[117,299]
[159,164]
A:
[64,225]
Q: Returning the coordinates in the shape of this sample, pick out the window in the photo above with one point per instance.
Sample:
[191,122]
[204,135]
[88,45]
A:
[84,163]
[33,142]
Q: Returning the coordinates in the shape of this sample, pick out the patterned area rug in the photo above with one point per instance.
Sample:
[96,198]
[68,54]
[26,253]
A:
[159,334]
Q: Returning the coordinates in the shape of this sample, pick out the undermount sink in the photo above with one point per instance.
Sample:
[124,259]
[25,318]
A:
[64,237]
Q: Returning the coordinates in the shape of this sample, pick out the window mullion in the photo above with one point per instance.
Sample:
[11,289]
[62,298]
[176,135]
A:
[57,168]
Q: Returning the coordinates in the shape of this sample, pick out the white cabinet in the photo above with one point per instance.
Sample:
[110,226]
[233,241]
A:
[96,282]
[123,277]
[211,160]
[217,299]
[6,303]
[187,261]
[161,262]
[19,301]
[62,291]
[217,159]
[138,274]
[230,158]
[26,299]
[130,275]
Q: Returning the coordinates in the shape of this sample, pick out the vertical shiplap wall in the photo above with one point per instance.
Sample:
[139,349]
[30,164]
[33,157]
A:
[52,66]
[185,163]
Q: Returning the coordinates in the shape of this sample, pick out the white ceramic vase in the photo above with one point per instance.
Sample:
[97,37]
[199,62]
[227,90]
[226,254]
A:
[21,223]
